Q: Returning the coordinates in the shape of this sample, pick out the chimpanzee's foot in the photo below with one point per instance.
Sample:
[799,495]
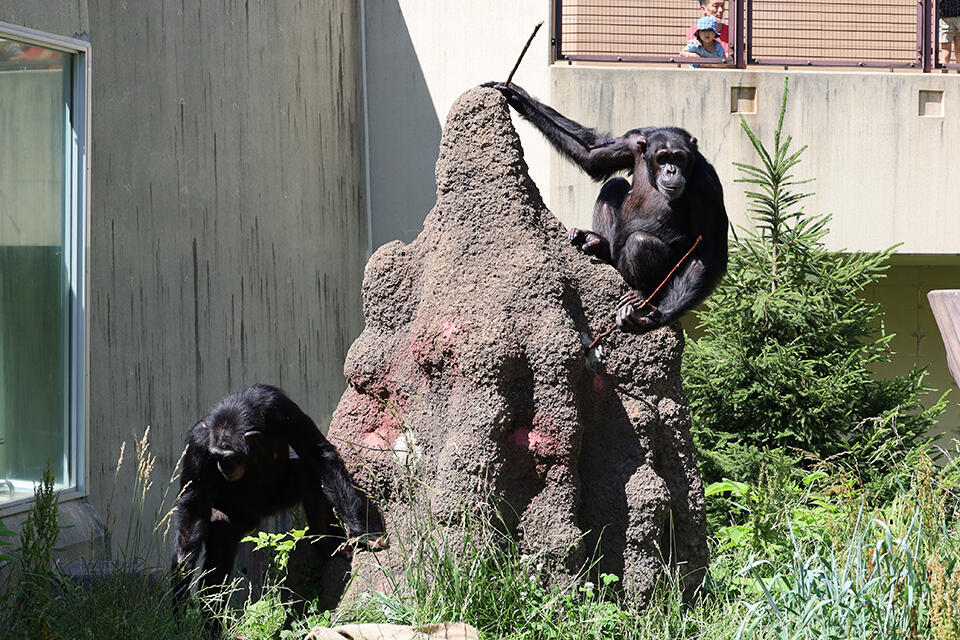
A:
[635,315]
[371,543]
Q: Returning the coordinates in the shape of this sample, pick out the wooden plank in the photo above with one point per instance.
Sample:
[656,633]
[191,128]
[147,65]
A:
[945,304]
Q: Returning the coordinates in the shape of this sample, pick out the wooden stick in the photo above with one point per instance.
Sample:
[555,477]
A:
[524,52]
[655,291]
[586,146]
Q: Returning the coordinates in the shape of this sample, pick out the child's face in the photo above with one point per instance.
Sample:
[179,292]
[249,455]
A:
[707,36]
[713,8]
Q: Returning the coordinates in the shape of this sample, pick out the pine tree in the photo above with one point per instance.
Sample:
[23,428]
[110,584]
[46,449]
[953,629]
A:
[789,341]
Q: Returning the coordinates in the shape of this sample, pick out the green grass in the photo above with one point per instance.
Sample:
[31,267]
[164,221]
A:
[803,556]
[821,561]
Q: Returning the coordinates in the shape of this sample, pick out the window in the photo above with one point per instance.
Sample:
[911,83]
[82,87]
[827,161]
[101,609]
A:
[43,192]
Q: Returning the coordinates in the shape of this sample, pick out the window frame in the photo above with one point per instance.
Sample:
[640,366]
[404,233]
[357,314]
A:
[76,253]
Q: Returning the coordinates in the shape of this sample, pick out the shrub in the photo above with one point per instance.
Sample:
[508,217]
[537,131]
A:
[789,341]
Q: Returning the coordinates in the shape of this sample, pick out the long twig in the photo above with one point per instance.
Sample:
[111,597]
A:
[655,291]
[586,146]
[524,52]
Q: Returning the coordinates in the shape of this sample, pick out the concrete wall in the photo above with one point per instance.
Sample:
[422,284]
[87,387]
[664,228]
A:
[880,155]
[903,297]
[228,229]
[228,220]
[420,56]
[885,172]
[60,17]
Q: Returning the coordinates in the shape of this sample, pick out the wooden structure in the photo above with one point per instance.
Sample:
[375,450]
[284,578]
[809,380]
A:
[945,304]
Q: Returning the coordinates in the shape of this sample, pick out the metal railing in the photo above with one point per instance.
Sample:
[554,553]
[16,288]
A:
[849,33]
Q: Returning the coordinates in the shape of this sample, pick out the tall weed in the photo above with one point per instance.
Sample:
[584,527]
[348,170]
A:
[122,600]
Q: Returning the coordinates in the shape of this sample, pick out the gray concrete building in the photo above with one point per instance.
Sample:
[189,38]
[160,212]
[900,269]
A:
[189,192]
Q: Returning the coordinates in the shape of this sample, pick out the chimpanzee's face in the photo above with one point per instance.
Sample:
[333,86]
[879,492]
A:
[229,449]
[669,157]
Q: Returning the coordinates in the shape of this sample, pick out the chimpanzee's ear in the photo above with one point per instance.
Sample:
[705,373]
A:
[693,143]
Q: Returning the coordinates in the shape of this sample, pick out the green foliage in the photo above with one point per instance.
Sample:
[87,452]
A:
[789,341]
[872,591]
[26,606]
[40,530]
[469,569]
[265,617]
[5,533]
[277,545]
[855,568]
[783,503]
[805,554]
[124,603]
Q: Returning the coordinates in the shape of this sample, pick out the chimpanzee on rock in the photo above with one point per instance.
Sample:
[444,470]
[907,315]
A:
[645,228]
[239,467]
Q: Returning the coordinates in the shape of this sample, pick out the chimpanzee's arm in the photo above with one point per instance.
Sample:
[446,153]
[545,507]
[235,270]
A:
[687,288]
[599,154]
[321,460]
[192,517]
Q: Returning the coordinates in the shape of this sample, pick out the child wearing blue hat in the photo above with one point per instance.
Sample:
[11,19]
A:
[706,44]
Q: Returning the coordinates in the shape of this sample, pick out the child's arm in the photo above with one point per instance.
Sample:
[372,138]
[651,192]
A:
[688,51]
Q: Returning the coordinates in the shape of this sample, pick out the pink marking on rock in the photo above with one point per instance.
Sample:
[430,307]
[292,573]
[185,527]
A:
[520,437]
[450,330]
[381,438]
[539,443]
[543,442]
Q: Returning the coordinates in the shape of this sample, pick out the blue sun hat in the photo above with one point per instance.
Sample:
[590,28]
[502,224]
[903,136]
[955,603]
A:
[708,23]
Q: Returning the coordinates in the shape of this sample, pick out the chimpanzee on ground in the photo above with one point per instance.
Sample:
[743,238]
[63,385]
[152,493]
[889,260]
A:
[645,228]
[238,468]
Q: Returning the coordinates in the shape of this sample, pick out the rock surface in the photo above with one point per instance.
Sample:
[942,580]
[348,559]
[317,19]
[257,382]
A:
[472,370]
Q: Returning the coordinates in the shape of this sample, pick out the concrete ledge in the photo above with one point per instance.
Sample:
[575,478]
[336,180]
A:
[81,538]
[880,157]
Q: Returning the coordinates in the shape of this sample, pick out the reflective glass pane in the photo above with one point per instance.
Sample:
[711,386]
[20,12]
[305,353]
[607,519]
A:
[35,206]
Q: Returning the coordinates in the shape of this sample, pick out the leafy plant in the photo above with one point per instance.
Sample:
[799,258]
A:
[125,602]
[789,342]
[779,506]
[6,533]
[40,530]
[877,591]
[26,605]
[277,545]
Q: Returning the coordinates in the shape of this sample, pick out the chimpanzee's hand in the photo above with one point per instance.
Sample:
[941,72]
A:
[633,316]
[369,542]
[376,544]
[502,87]
[513,93]
[586,241]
